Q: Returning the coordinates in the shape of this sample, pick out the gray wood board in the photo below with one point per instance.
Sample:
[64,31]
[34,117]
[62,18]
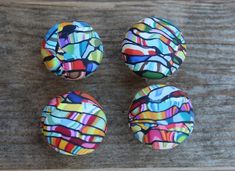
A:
[208,76]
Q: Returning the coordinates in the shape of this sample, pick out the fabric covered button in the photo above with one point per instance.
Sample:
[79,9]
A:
[161,116]
[72,50]
[74,123]
[153,48]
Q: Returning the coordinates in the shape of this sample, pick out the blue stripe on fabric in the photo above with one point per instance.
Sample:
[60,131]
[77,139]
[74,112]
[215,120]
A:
[51,30]
[134,59]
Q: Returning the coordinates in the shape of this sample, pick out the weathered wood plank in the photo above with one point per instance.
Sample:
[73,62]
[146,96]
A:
[208,75]
[151,169]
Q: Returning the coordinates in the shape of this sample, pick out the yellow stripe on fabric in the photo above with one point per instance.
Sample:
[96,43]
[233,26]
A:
[96,56]
[52,64]
[152,115]
[140,26]
[63,144]
[45,53]
[143,121]
[136,128]
[61,26]
[84,151]
[91,130]
[181,129]
[95,42]
[101,114]
[70,107]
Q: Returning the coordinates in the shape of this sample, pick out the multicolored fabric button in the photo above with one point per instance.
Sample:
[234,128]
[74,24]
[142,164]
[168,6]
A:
[72,50]
[153,48]
[74,123]
[161,116]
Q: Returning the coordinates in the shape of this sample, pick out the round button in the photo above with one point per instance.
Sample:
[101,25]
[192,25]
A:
[153,48]
[72,50]
[74,123]
[161,116]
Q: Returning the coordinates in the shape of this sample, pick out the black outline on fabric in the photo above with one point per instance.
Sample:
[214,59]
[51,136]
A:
[84,40]
[158,62]
[154,21]
[72,142]
[190,130]
[77,122]
[167,97]
[152,33]
[171,40]
[171,31]
[172,142]
[154,89]
[169,23]
[143,47]
[190,122]
[148,56]
[132,30]
[87,60]
[83,113]
[77,111]
[161,102]
[152,128]
[75,92]
[65,100]
[48,58]
[76,145]
[84,141]
[57,70]
[134,119]
[51,45]
[78,70]
[147,60]
[57,125]
[75,44]
[154,47]
[49,49]
[142,22]
[77,31]
[168,131]
[166,21]
[183,49]
[146,95]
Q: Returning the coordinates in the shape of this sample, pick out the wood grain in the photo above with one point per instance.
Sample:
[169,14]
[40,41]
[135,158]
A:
[150,169]
[208,76]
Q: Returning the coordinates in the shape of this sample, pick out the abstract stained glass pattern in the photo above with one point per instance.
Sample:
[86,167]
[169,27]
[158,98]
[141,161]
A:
[74,123]
[153,48]
[161,116]
[72,50]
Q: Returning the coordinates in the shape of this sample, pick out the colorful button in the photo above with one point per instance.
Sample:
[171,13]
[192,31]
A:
[153,48]
[74,123]
[72,50]
[161,116]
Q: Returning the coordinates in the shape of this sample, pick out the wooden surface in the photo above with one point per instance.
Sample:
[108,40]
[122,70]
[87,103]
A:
[149,169]
[208,76]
